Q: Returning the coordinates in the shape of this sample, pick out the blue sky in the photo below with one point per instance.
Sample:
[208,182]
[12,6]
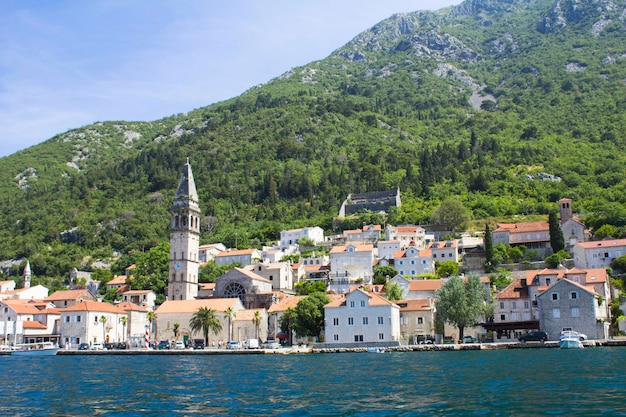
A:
[67,64]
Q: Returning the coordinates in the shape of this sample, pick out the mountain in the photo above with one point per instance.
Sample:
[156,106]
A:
[506,105]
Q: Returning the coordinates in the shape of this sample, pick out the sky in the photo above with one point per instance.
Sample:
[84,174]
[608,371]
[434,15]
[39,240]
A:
[70,63]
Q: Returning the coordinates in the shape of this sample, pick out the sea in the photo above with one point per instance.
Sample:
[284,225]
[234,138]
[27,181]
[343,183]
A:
[517,382]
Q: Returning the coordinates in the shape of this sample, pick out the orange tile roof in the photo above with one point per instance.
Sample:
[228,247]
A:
[285,303]
[128,306]
[407,229]
[118,280]
[66,295]
[603,243]
[31,324]
[375,299]
[359,248]
[515,290]
[207,286]
[524,227]
[421,304]
[93,306]
[425,284]
[235,253]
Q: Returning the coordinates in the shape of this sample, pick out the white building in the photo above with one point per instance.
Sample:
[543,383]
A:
[386,249]
[144,298]
[349,265]
[598,254]
[206,253]
[407,235]
[291,237]
[445,251]
[280,274]
[28,321]
[242,257]
[362,317]
[91,322]
[413,261]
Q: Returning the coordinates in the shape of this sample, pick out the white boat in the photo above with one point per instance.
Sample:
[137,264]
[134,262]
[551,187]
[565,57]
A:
[570,343]
[36,349]
[375,350]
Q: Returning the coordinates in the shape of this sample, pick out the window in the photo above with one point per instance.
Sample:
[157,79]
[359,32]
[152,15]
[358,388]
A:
[381,320]
[420,320]
[336,321]
[503,317]
[365,321]
[350,321]
[381,336]
[362,303]
[358,337]
[575,312]
[501,304]
[573,295]
[556,313]
[67,319]
[514,304]
[526,305]
[404,320]
[352,304]
[77,319]
[554,296]
[548,281]
[335,337]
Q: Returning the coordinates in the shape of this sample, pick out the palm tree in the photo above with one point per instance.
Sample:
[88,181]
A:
[103,320]
[229,313]
[151,317]
[124,321]
[256,319]
[176,327]
[205,320]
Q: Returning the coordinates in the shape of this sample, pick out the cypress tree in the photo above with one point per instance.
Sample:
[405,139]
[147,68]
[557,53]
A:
[556,234]
[488,248]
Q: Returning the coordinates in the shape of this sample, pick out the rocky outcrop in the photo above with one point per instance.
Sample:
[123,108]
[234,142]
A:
[599,13]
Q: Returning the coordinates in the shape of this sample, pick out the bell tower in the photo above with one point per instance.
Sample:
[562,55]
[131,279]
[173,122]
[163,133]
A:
[184,240]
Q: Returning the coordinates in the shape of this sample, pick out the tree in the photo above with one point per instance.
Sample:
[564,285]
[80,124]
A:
[619,264]
[124,321]
[205,321]
[175,328]
[606,230]
[307,287]
[383,273]
[556,234]
[103,320]
[151,317]
[452,213]
[310,314]
[461,302]
[501,279]
[488,249]
[230,314]
[287,322]
[256,319]
[393,291]
[447,269]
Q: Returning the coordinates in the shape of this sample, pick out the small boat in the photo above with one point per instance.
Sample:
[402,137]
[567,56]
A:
[570,343]
[36,349]
[376,350]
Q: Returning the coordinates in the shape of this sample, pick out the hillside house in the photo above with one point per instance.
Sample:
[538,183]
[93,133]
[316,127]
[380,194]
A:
[243,257]
[279,274]
[367,234]
[407,235]
[447,251]
[386,248]
[206,253]
[291,237]
[532,235]
[598,254]
[413,262]
[67,298]
[349,265]
[38,292]
[144,298]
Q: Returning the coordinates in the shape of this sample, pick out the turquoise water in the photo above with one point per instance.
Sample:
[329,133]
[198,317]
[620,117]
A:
[524,382]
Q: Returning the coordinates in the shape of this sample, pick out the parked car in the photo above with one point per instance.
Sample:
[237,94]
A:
[97,346]
[251,344]
[83,346]
[233,345]
[109,346]
[198,344]
[163,344]
[120,345]
[270,344]
[179,345]
[469,339]
[534,337]
[567,334]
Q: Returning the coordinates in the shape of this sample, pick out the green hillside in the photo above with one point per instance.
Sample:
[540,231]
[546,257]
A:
[505,105]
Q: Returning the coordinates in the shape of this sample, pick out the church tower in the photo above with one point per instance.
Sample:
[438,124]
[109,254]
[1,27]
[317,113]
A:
[27,274]
[184,240]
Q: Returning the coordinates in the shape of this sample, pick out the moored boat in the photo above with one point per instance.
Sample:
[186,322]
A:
[376,350]
[36,349]
[570,343]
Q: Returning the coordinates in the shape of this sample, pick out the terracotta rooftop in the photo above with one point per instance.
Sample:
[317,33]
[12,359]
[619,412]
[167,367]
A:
[602,243]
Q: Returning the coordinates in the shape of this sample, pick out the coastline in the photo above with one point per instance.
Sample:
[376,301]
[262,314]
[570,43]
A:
[356,349]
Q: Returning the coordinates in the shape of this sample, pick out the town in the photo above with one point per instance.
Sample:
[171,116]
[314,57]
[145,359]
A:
[379,288]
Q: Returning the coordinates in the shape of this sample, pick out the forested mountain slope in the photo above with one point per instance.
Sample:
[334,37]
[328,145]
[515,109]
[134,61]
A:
[506,105]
